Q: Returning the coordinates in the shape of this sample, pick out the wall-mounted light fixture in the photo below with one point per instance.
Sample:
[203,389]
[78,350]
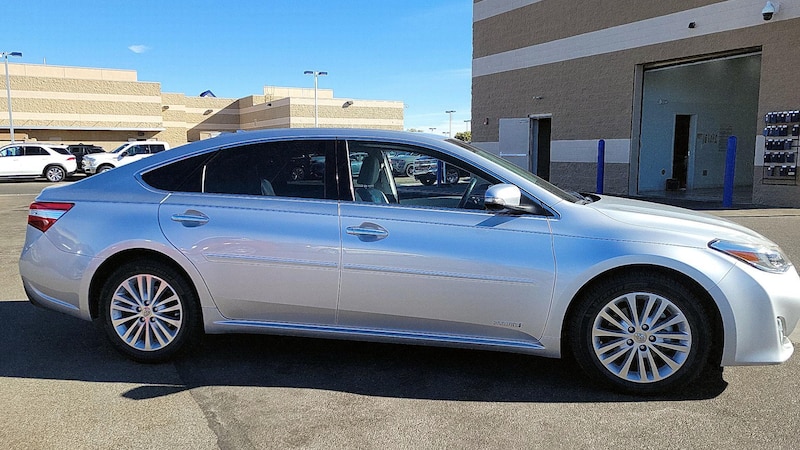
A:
[165,107]
[347,104]
[207,112]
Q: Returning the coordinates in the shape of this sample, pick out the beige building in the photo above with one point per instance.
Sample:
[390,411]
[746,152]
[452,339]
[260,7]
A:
[107,107]
[664,84]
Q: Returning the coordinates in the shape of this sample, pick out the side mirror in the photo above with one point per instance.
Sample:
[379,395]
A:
[502,196]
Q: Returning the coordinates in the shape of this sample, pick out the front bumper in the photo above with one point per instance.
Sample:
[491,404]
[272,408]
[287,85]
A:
[761,312]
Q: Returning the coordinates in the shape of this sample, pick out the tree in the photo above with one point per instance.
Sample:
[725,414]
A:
[465,136]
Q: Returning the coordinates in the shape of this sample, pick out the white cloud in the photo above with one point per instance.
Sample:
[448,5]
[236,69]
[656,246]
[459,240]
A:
[138,48]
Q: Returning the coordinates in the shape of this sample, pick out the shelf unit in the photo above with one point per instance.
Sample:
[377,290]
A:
[781,146]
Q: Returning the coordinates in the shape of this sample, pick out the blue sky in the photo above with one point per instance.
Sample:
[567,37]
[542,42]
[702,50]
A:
[415,51]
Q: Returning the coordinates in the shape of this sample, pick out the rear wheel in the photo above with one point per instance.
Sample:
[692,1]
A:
[643,333]
[149,311]
[451,176]
[54,173]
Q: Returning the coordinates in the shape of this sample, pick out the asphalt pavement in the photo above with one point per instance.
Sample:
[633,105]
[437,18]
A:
[63,386]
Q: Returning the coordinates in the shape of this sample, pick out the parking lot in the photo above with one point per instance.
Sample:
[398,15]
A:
[63,386]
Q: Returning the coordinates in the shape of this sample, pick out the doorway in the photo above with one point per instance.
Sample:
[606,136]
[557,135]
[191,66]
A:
[680,151]
[540,147]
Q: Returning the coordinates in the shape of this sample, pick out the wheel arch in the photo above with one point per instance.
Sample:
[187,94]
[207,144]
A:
[109,265]
[709,304]
[48,166]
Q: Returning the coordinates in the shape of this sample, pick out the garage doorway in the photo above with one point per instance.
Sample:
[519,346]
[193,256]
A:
[688,111]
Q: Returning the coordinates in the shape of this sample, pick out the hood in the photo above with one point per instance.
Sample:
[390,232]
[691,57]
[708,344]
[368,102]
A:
[673,220]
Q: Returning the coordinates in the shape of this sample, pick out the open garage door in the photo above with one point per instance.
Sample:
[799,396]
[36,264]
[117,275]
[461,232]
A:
[688,113]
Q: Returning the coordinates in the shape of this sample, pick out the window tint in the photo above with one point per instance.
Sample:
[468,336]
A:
[155,148]
[381,174]
[35,151]
[60,150]
[283,169]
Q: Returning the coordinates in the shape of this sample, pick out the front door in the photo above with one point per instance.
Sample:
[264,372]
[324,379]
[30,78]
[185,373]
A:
[430,262]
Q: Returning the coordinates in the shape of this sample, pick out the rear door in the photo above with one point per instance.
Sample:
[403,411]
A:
[268,247]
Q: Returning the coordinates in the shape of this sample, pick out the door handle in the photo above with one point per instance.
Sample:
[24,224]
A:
[368,232]
[190,218]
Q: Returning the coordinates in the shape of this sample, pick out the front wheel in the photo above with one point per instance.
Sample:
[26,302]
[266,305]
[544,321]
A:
[149,311]
[643,333]
[54,174]
[104,168]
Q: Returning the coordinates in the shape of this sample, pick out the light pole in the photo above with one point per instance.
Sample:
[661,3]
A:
[316,74]
[466,124]
[451,121]
[5,56]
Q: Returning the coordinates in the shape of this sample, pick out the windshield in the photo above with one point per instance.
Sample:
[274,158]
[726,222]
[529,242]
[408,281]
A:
[118,149]
[517,170]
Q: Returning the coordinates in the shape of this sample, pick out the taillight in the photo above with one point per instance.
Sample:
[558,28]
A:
[42,215]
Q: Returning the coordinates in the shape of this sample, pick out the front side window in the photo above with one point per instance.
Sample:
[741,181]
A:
[386,173]
[282,169]
[11,151]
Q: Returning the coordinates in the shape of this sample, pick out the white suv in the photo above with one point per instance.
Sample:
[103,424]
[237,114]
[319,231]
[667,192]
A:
[124,154]
[34,160]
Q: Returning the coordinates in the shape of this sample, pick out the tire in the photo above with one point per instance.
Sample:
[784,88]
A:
[54,174]
[298,174]
[104,168]
[410,170]
[149,311]
[451,176]
[427,181]
[666,350]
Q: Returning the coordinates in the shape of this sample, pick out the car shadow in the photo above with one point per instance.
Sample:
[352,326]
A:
[49,345]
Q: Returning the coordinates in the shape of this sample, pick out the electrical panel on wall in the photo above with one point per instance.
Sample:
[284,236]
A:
[781,145]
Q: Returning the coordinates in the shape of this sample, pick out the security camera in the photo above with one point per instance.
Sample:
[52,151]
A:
[769,10]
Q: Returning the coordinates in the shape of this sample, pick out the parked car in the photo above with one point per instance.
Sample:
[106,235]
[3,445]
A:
[214,237]
[35,160]
[124,154]
[403,163]
[80,150]
[426,170]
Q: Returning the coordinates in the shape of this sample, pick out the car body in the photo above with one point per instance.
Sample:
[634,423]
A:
[36,160]
[214,237]
[80,150]
[124,154]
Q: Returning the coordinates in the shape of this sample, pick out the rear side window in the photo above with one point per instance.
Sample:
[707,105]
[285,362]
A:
[35,151]
[61,150]
[282,169]
[155,148]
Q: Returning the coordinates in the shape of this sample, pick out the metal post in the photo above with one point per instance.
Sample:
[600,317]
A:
[5,56]
[316,75]
[601,164]
[730,171]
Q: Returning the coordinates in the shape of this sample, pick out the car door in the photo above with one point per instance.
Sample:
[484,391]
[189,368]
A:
[267,247]
[10,160]
[428,267]
[34,161]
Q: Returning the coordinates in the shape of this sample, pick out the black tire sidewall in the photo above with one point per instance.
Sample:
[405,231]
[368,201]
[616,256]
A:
[192,323]
[582,323]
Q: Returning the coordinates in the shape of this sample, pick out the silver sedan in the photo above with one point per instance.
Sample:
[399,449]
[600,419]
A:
[217,237]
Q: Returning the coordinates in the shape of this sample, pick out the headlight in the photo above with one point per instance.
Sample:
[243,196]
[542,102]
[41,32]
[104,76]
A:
[767,258]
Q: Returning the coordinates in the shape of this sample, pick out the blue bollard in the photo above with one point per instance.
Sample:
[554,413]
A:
[730,170]
[601,165]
